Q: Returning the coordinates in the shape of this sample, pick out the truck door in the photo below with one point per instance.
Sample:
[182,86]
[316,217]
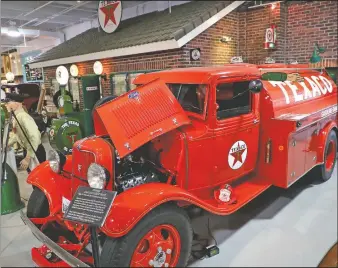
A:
[236,132]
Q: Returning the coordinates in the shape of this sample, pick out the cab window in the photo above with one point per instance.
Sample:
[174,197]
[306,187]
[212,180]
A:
[190,96]
[233,99]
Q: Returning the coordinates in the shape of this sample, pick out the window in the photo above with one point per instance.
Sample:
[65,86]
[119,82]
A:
[233,99]
[190,96]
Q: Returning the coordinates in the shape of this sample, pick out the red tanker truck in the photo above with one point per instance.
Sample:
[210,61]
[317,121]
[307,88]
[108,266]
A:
[211,137]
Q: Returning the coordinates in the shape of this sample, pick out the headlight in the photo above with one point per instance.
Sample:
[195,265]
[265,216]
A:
[54,161]
[97,176]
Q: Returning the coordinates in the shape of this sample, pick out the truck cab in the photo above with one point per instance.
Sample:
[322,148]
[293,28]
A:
[211,137]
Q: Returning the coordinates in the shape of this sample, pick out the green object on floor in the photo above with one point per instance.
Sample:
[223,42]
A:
[10,193]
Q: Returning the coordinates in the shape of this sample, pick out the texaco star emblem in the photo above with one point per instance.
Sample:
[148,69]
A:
[110,13]
[237,154]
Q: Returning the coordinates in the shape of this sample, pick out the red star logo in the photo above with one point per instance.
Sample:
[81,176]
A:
[238,155]
[108,11]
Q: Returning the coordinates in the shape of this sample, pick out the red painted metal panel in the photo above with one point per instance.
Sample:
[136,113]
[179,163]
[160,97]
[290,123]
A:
[141,115]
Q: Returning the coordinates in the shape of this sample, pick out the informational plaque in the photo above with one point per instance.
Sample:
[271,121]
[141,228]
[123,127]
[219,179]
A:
[90,206]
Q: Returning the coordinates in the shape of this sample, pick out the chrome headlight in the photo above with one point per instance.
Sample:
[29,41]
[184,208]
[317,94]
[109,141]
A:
[56,160]
[97,176]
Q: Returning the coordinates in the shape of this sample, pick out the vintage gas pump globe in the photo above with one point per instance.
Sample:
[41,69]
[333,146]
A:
[187,137]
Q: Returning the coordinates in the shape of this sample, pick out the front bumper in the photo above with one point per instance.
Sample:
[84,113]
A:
[55,248]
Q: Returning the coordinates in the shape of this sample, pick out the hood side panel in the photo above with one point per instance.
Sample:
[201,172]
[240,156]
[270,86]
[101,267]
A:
[141,115]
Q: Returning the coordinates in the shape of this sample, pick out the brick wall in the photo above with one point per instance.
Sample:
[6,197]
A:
[309,23]
[299,25]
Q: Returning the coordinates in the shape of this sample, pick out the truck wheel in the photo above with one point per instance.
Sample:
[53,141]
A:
[161,239]
[325,171]
[37,206]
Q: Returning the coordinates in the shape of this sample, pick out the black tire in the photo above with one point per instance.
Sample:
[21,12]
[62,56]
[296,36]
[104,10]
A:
[118,252]
[322,172]
[37,206]
[58,94]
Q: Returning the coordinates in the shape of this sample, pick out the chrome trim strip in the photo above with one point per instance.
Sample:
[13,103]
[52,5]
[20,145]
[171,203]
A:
[60,252]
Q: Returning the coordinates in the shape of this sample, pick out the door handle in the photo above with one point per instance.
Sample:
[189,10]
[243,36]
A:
[255,121]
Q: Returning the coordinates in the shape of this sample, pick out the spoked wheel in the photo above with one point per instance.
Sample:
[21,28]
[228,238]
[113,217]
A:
[330,157]
[161,239]
[159,247]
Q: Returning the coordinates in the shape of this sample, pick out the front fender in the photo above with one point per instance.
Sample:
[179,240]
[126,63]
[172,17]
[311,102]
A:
[53,185]
[132,205]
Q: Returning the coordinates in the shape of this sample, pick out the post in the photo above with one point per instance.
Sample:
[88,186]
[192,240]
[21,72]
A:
[95,246]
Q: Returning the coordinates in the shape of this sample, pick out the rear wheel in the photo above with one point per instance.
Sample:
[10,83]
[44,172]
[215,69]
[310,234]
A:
[161,239]
[325,170]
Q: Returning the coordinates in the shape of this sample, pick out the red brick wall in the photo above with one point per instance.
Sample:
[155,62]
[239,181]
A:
[253,24]
[309,23]
[299,25]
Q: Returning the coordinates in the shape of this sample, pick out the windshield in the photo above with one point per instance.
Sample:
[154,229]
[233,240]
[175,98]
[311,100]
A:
[190,96]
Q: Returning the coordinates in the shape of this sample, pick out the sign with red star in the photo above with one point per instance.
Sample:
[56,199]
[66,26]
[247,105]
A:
[237,154]
[110,13]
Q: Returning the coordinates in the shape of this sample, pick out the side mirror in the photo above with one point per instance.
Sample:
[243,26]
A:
[255,86]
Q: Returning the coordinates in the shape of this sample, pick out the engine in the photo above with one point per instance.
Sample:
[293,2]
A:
[134,170]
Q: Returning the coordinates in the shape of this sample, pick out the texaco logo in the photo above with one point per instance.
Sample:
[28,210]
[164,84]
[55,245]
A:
[237,154]
[110,13]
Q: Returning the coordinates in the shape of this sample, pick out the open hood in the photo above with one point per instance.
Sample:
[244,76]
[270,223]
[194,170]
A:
[141,115]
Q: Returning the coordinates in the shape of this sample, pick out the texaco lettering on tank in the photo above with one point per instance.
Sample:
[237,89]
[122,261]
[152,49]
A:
[319,85]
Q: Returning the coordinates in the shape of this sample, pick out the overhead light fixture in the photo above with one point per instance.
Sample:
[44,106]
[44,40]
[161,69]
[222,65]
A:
[273,6]
[78,1]
[13,31]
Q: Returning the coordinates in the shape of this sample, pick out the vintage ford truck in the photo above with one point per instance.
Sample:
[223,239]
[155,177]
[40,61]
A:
[211,137]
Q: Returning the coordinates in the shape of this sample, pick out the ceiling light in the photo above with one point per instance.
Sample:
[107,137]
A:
[78,1]
[13,30]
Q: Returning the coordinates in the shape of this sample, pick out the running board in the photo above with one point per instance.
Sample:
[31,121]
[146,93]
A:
[244,192]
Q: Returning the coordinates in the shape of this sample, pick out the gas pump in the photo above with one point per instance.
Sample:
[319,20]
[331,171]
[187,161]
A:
[73,125]
[10,192]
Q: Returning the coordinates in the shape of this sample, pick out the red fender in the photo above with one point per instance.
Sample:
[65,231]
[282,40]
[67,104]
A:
[53,185]
[322,140]
[132,205]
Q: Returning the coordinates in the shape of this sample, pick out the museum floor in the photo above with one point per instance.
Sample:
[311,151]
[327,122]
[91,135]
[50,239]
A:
[294,227]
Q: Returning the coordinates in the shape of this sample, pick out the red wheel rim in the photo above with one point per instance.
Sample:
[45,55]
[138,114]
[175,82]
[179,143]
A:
[330,156]
[160,247]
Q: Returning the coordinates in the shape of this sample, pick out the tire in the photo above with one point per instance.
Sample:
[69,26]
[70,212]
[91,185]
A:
[119,252]
[324,171]
[37,206]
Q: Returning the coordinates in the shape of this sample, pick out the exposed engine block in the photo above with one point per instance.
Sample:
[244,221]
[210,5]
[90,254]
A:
[133,171]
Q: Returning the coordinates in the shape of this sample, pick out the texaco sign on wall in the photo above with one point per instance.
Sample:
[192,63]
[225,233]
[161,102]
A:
[109,13]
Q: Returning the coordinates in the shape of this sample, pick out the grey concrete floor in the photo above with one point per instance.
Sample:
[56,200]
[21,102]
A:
[285,228]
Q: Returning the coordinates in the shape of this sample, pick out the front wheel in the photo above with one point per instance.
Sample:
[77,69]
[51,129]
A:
[161,239]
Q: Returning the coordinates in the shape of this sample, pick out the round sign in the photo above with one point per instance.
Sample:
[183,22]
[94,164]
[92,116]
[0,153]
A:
[109,13]
[68,133]
[237,154]
[74,71]
[98,68]
[10,76]
[62,75]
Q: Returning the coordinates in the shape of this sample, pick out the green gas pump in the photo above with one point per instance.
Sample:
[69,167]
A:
[73,125]
[10,192]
